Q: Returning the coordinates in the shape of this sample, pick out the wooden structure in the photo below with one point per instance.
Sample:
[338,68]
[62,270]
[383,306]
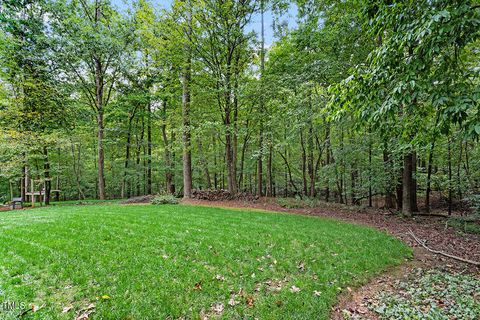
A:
[33,194]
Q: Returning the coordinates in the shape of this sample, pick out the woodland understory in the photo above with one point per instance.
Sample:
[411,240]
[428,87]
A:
[358,100]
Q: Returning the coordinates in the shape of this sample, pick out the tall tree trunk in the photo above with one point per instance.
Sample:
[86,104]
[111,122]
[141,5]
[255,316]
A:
[241,178]
[125,184]
[77,172]
[327,160]
[170,188]
[269,171]
[48,182]
[388,167]
[186,137]
[429,177]
[450,182]
[101,157]
[229,128]
[407,184]
[23,185]
[262,103]
[99,105]
[413,198]
[204,163]
[139,140]
[370,204]
[304,164]
[149,149]
[215,163]
[310,161]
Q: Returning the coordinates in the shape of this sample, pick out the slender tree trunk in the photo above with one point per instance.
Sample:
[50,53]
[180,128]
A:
[407,184]
[215,163]
[370,204]
[304,164]
[262,103]
[23,185]
[327,160]
[413,198]
[269,171]
[76,170]
[48,182]
[187,155]
[429,177]
[459,164]
[204,163]
[170,188]
[388,167]
[125,187]
[100,125]
[241,178]
[149,149]
[450,186]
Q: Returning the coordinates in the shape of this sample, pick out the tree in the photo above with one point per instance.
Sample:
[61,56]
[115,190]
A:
[92,39]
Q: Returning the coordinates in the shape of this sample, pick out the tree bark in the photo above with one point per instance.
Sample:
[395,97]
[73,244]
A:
[125,184]
[388,167]
[429,177]
[149,149]
[48,182]
[407,184]
[186,136]
[262,104]
[204,163]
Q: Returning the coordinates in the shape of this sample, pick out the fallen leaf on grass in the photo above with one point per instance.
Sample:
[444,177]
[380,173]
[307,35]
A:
[294,289]
[232,302]
[317,293]
[198,286]
[67,309]
[220,277]
[35,308]
[249,301]
[218,307]
[301,266]
[85,313]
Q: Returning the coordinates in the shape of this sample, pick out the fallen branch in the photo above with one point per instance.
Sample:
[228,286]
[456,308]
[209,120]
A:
[422,243]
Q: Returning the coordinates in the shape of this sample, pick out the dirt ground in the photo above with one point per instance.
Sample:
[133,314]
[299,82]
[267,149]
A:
[432,230]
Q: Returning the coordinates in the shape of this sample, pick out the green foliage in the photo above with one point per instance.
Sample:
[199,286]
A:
[297,202]
[164,199]
[469,223]
[434,295]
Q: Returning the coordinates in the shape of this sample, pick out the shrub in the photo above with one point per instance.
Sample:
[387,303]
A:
[164,199]
[297,202]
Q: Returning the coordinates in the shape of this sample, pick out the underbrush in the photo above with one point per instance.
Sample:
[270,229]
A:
[164,199]
[297,202]
[431,295]
[471,222]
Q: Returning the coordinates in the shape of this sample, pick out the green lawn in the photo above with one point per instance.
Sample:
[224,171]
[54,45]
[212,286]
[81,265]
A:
[154,262]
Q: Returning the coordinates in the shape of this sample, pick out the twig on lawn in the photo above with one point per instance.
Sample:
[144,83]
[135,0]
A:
[422,243]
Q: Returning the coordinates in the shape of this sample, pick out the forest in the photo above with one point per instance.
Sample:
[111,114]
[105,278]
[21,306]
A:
[240,159]
[360,102]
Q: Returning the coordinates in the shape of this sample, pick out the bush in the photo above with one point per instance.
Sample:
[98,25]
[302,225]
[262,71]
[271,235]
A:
[297,202]
[469,223]
[164,199]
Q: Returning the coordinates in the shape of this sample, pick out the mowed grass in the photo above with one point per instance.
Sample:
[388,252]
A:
[158,262]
